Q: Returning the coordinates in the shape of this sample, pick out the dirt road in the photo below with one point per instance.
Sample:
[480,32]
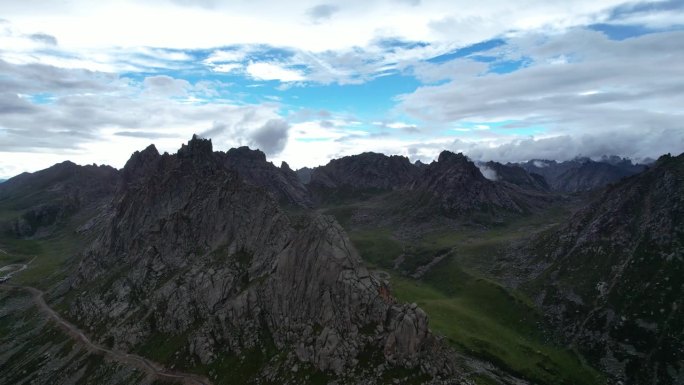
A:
[152,368]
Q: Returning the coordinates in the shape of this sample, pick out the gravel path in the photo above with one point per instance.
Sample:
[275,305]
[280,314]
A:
[154,369]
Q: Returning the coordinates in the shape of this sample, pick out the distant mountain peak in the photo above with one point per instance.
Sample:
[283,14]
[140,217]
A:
[247,153]
[448,156]
[196,148]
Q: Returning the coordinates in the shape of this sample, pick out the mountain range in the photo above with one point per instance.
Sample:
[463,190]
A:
[370,269]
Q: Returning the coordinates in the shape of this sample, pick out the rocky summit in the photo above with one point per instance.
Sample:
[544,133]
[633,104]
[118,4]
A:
[190,249]
[281,181]
[355,175]
[455,186]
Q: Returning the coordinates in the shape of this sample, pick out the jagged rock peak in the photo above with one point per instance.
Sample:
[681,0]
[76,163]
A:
[149,153]
[139,161]
[457,164]
[448,156]
[66,164]
[368,170]
[281,181]
[247,153]
[196,148]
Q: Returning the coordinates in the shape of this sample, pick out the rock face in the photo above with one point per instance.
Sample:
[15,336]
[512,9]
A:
[367,171]
[282,182]
[304,174]
[612,278]
[582,174]
[192,250]
[456,186]
[518,176]
[51,196]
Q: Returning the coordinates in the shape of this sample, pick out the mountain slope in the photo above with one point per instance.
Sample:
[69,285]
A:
[612,278]
[359,175]
[454,186]
[516,175]
[33,204]
[282,182]
[582,174]
[198,268]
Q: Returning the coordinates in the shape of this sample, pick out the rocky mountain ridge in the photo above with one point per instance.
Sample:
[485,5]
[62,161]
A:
[51,196]
[582,174]
[451,186]
[210,260]
[192,250]
[611,278]
[282,181]
[455,185]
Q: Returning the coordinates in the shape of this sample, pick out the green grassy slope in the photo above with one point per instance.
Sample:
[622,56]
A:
[477,315]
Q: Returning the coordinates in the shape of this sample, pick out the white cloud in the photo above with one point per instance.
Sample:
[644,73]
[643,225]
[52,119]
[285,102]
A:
[588,93]
[228,67]
[400,125]
[356,23]
[272,71]
[631,88]
[487,171]
[164,85]
[222,56]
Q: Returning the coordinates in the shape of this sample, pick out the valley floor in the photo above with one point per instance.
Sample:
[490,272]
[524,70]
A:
[454,271]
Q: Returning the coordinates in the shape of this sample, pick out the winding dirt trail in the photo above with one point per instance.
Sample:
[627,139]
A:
[152,368]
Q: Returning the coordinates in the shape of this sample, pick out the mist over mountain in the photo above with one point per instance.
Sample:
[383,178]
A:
[582,174]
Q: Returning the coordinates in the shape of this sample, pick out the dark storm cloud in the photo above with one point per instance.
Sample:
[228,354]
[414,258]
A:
[217,128]
[271,138]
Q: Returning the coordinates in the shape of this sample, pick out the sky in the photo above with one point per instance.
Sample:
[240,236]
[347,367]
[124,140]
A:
[309,81]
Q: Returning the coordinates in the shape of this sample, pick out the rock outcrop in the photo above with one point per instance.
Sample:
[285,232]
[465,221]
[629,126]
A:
[582,174]
[366,172]
[44,199]
[282,182]
[194,254]
[456,186]
[612,278]
[516,175]
[304,174]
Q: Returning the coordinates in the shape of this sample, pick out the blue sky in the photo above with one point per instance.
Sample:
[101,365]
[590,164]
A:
[311,81]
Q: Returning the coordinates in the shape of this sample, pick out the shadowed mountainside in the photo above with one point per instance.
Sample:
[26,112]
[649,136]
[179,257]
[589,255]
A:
[191,250]
[612,277]
[582,174]
[49,197]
